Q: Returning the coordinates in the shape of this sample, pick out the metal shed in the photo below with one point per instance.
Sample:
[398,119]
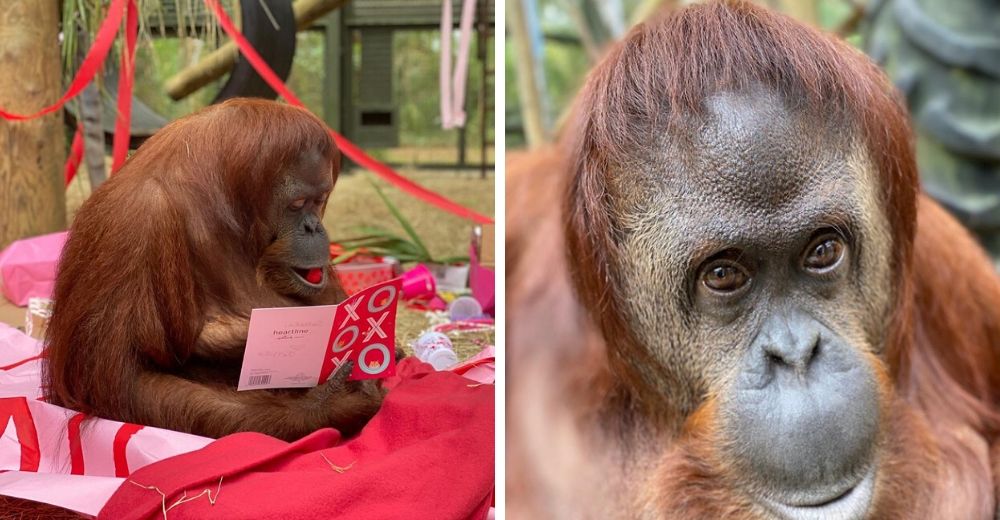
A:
[359,101]
[373,120]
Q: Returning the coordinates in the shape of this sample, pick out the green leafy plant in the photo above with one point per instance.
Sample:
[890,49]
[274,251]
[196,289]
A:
[382,242]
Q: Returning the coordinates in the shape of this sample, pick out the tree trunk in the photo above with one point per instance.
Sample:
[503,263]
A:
[32,195]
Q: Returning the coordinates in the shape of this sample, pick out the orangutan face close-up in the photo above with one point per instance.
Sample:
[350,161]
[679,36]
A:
[749,311]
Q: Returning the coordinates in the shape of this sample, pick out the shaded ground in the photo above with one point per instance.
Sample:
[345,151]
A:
[354,204]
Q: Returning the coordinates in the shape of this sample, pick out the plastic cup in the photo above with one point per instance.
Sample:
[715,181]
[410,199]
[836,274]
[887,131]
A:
[419,283]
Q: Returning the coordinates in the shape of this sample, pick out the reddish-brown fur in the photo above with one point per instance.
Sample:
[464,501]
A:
[163,266]
[588,430]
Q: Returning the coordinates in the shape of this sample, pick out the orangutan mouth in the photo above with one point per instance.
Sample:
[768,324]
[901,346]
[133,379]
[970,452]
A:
[311,276]
[854,503]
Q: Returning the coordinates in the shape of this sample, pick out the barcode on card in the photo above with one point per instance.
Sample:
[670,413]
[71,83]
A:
[259,380]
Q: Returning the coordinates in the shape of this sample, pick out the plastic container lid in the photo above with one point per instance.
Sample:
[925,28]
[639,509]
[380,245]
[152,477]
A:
[442,359]
[464,308]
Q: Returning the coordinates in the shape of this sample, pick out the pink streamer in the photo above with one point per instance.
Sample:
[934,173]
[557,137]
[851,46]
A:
[462,65]
[453,82]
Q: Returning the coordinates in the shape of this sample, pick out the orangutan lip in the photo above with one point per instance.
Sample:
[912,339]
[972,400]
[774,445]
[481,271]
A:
[303,272]
[852,504]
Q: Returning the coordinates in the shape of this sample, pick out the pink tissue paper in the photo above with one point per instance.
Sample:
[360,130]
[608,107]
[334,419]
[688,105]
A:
[28,267]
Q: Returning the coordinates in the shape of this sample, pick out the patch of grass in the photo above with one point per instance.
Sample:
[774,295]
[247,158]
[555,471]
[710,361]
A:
[355,204]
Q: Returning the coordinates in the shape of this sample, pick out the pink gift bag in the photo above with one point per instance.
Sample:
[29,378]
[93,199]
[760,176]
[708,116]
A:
[28,267]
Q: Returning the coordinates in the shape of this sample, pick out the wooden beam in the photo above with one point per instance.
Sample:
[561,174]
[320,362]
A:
[220,61]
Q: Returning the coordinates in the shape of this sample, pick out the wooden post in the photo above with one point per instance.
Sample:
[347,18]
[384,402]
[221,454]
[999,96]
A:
[483,30]
[528,82]
[32,191]
[333,58]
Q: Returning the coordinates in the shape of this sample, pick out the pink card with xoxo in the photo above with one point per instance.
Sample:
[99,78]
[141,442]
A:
[301,347]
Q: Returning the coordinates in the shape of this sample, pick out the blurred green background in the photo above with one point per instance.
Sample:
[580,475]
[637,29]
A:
[574,31]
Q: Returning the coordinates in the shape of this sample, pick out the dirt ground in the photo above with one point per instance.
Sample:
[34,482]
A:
[10,314]
[355,203]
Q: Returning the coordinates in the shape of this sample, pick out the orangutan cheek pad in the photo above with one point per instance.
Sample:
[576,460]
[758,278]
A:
[301,347]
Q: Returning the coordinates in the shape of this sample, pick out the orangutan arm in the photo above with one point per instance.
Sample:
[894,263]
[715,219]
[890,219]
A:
[223,337]
[166,400]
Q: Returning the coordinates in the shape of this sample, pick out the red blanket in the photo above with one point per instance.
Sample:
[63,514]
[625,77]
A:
[427,454]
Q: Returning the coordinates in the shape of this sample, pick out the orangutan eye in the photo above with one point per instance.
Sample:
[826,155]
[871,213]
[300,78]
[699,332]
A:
[724,277]
[824,253]
[297,204]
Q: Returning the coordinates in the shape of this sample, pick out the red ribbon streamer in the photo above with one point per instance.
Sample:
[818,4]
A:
[75,444]
[23,361]
[75,154]
[124,434]
[91,63]
[24,425]
[348,148]
[126,76]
